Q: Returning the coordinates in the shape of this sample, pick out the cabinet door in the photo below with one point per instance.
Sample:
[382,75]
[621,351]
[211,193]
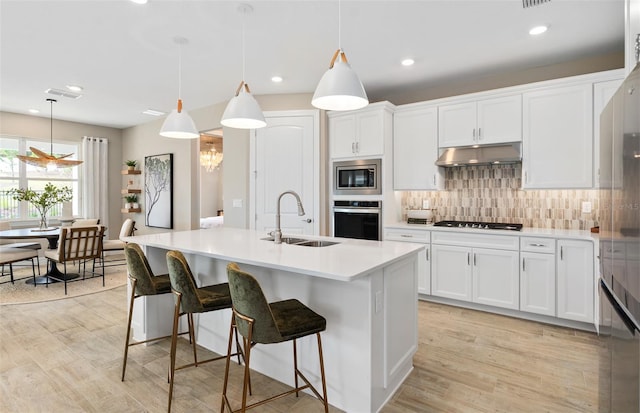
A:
[451,272]
[415,149]
[424,272]
[558,138]
[495,278]
[457,124]
[500,120]
[574,260]
[370,133]
[538,283]
[342,136]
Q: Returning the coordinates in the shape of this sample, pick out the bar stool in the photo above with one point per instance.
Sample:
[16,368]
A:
[189,300]
[143,283]
[260,322]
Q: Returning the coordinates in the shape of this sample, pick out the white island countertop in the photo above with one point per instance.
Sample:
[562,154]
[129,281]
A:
[345,261]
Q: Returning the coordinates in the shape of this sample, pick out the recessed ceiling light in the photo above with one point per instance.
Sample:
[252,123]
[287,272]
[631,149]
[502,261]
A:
[139,1]
[75,88]
[537,30]
[407,62]
[276,79]
[154,112]
[34,111]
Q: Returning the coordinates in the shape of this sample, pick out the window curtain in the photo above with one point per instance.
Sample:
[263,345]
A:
[95,202]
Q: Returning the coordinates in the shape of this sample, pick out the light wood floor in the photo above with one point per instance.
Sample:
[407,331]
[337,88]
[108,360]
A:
[65,356]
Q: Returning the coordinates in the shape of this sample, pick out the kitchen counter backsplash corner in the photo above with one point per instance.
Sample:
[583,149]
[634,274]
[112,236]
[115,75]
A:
[493,194]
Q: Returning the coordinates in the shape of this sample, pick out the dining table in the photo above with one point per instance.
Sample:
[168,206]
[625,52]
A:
[52,235]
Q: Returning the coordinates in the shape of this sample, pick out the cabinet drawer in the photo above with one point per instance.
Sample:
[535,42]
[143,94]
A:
[408,235]
[534,244]
[464,239]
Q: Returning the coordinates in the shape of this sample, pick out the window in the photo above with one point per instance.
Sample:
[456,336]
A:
[16,174]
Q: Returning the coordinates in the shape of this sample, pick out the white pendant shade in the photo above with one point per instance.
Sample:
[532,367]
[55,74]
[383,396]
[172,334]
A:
[340,88]
[243,111]
[179,125]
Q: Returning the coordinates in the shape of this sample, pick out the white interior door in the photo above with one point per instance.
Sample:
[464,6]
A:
[285,156]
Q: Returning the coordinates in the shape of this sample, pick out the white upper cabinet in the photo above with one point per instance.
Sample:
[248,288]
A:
[360,133]
[482,122]
[415,149]
[558,137]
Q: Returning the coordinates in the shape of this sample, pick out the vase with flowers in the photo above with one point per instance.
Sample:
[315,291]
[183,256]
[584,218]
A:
[44,200]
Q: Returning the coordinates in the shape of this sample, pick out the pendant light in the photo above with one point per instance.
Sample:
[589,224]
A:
[243,111]
[48,160]
[340,88]
[179,124]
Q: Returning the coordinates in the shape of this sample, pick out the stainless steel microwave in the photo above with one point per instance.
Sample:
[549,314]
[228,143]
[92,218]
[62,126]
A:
[357,177]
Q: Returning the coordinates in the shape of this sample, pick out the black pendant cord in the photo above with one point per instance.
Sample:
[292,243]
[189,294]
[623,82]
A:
[51,123]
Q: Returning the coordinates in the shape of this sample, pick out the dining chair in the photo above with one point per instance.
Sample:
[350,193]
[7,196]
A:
[110,245]
[260,322]
[80,244]
[10,255]
[85,222]
[11,243]
[189,300]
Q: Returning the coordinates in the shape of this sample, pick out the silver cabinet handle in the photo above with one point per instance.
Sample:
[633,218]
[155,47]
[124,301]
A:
[474,134]
[353,147]
[434,179]
[474,259]
[523,264]
[536,245]
[358,147]
[427,251]
[468,257]
[406,236]
[308,220]
[561,254]
[479,133]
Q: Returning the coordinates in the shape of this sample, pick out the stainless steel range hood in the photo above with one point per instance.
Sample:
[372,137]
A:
[480,155]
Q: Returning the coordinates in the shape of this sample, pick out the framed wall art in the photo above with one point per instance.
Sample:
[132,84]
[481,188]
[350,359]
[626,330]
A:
[158,190]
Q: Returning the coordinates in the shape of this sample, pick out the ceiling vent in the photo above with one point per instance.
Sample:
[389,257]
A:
[532,3]
[63,93]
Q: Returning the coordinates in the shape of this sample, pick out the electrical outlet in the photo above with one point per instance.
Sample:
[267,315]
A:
[426,204]
[586,207]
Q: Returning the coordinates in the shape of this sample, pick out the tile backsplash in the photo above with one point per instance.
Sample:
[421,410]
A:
[492,193]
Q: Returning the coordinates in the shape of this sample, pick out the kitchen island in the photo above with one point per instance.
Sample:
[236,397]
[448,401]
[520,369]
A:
[367,291]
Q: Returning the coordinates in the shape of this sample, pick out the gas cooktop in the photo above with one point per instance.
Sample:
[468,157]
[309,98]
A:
[479,225]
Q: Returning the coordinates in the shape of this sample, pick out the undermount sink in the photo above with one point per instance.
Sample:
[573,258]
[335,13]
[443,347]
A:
[316,243]
[303,242]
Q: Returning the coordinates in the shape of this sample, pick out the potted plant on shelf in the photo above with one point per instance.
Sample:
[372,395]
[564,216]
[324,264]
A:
[131,164]
[132,201]
[43,200]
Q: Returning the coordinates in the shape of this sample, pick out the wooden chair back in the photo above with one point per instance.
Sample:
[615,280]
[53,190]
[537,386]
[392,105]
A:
[80,243]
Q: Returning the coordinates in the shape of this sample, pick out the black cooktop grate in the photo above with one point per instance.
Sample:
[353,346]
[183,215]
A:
[479,225]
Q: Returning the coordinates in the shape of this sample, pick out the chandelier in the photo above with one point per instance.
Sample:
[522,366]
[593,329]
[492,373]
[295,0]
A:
[210,159]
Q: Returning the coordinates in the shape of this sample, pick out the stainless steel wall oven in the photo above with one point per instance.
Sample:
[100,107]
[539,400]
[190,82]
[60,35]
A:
[357,219]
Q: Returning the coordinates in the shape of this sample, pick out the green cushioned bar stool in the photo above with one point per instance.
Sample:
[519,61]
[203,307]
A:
[190,299]
[260,322]
[143,283]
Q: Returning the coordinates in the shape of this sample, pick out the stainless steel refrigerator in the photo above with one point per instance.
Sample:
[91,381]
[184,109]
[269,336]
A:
[619,214]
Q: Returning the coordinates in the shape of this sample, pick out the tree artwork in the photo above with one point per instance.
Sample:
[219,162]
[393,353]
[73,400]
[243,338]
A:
[158,190]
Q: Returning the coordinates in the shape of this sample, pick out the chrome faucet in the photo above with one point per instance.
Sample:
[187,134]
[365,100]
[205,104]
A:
[277,233]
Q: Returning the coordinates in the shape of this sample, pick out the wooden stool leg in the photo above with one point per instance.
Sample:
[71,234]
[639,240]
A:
[126,342]
[174,342]
[324,381]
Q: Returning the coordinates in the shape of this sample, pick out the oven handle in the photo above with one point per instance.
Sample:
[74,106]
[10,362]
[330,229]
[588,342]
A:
[617,307]
[358,210]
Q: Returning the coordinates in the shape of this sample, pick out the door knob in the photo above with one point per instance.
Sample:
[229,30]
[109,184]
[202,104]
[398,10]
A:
[308,220]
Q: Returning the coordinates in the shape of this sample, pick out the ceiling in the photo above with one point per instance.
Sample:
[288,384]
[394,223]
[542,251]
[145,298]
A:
[125,57]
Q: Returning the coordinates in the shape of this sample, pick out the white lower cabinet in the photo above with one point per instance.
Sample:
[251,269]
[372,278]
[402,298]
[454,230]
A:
[538,275]
[576,283]
[481,275]
[424,263]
